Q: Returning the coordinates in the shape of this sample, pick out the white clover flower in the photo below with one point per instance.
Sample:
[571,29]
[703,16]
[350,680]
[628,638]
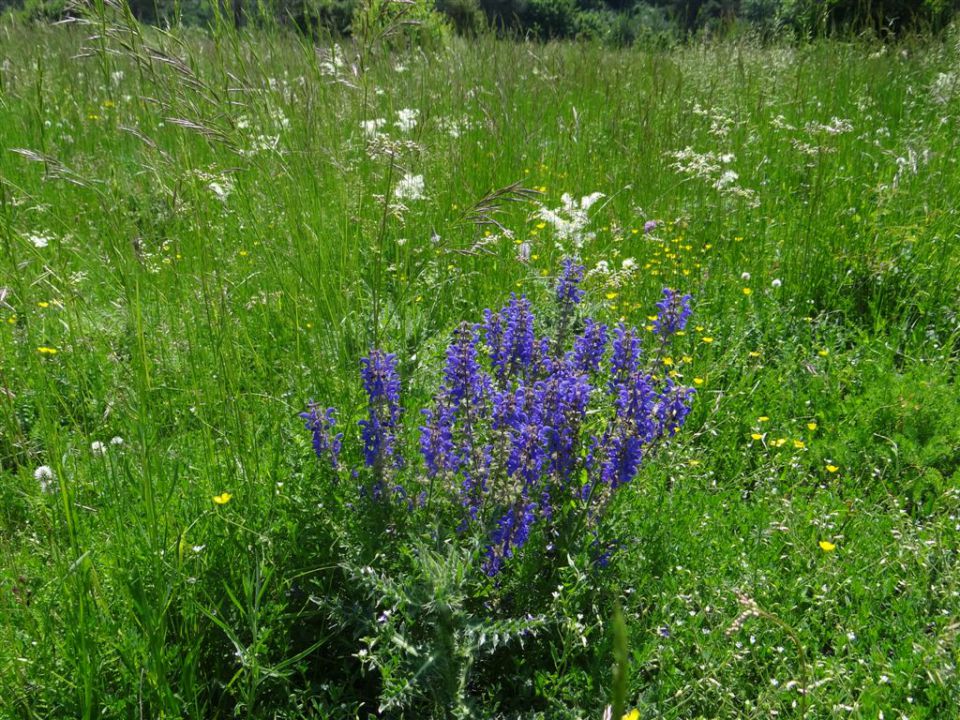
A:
[116,441]
[410,187]
[776,283]
[745,276]
[98,448]
[407,119]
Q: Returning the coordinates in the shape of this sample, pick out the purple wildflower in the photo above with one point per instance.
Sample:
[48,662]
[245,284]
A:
[626,354]
[528,454]
[464,382]
[568,290]
[436,439]
[673,407]
[562,402]
[512,533]
[649,226]
[635,401]
[510,338]
[589,347]
[623,452]
[321,423]
[379,430]
[674,312]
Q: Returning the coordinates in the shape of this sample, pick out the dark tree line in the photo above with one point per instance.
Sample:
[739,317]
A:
[619,21]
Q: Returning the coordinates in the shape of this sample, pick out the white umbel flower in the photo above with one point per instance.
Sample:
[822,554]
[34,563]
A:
[407,119]
[410,187]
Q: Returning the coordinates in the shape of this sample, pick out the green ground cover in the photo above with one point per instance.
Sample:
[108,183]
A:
[201,233]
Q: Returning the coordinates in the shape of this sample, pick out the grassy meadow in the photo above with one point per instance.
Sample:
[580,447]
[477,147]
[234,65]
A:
[202,232]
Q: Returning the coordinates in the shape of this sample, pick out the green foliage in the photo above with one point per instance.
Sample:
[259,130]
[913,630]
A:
[187,218]
[466,16]
[320,18]
[646,26]
[551,18]
[398,24]
[40,10]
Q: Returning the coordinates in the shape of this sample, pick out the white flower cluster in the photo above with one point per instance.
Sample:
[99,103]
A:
[712,168]
[570,220]
[410,187]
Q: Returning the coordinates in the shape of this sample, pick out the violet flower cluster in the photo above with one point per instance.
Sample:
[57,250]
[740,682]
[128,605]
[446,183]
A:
[326,444]
[527,432]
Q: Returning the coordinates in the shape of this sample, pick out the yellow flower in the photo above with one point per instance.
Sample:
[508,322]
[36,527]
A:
[827,546]
[222,498]
[779,442]
[698,381]
[43,304]
[799,444]
[707,339]
[832,468]
[757,436]
[763,418]
[668,361]
[611,296]
[747,291]
[823,353]
[541,225]
[811,426]
[753,354]
[632,715]
[47,350]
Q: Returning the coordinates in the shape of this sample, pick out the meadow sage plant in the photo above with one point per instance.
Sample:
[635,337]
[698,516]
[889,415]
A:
[527,434]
